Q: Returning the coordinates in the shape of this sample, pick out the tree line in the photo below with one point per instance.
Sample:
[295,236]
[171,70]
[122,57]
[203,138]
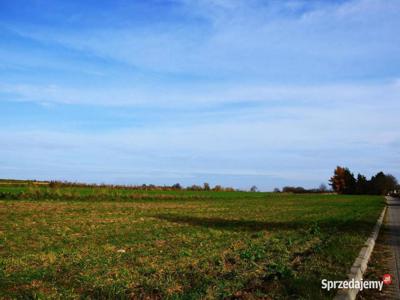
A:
[343,181]
[144,187]
[301,190]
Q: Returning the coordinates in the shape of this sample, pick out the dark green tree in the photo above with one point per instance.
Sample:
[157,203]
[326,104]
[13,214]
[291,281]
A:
[362,185]
[382,184]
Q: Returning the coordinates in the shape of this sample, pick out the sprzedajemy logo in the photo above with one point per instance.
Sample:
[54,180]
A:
[356,284]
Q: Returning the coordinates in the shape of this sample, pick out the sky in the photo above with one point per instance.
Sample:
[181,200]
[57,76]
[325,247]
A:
[238,93]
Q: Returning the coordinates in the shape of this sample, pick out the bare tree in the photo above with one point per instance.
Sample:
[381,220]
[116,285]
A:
[322,188]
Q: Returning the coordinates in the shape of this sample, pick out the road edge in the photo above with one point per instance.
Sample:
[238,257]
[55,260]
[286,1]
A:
[360,264]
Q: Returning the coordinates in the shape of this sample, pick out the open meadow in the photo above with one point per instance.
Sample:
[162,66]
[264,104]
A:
[115,243]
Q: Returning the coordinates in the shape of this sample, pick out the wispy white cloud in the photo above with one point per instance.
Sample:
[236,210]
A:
[249,92]
[299,152]
[249,38]
[204,95]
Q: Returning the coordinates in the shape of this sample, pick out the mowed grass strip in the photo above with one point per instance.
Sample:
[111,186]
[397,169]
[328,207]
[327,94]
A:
[222,245]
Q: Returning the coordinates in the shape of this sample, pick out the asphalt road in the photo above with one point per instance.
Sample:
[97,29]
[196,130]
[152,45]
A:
[393,225]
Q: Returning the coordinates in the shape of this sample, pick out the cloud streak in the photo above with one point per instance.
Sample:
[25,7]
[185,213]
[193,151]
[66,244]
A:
[232,92]
[237,38]
[206,95]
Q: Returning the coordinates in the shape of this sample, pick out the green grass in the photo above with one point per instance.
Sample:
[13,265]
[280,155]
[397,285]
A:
[188,246]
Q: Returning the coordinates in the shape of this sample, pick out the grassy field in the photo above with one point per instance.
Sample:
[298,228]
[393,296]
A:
[99,243]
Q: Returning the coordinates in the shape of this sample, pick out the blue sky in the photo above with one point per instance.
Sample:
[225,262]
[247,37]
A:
[237,93]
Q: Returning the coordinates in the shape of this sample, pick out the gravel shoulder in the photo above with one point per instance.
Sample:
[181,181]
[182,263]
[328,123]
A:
[385,258]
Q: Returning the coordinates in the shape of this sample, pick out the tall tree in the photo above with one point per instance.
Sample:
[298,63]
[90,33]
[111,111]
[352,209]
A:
[343,181]
[362,185]
[382,184]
